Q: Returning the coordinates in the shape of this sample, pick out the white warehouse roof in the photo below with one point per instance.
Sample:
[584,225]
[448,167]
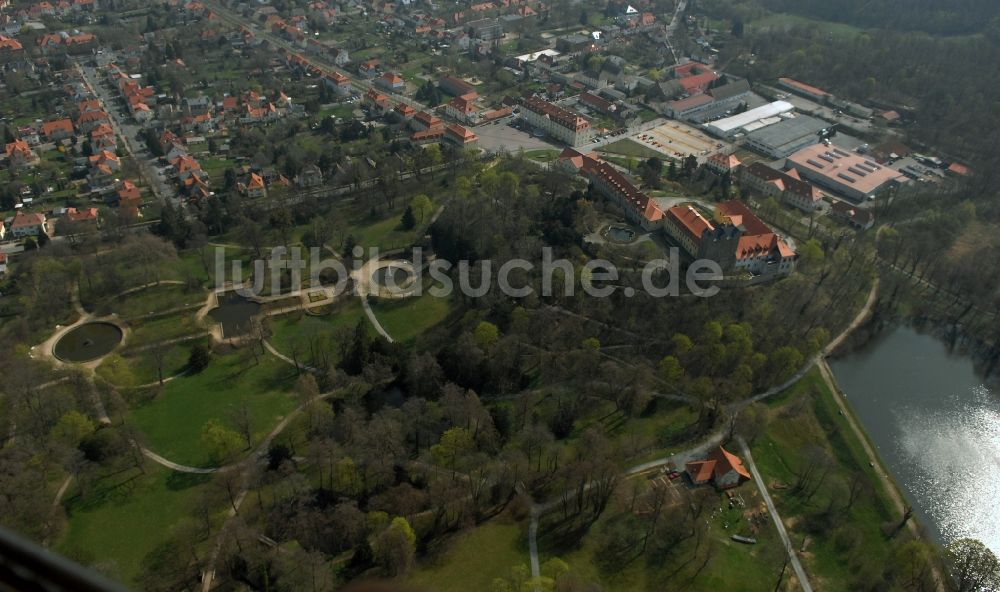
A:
[730,124]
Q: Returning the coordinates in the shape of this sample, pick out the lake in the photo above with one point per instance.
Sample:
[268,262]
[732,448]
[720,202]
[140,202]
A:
[937,427]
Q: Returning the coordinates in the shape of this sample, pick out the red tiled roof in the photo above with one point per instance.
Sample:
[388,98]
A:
[726,461]
[23,220]
[690,220]
[50,127]
[563,117]
[803,87]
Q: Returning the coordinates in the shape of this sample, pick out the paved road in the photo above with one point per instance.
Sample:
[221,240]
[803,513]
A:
[127,130]
[793,557]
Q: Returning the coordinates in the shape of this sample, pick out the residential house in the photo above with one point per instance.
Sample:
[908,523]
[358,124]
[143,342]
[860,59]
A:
[391,82]
[425,121]
[460,136]
[85,215]
[29,133]
[105,158]
[722,469]
[852,215]
[369,68]
[340,84]
[377,102]
[721,163]
[88,120]
[27,224]
[454,86]
[20,155]
[254,187]
[309,176]
[128,194]
[59,129]
[403,112]
[463,108]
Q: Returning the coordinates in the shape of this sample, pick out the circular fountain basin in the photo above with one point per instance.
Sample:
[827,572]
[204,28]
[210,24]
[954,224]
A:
[88,342]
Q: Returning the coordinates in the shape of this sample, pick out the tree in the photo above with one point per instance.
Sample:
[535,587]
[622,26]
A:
[973,567]
[396,547]
[407,222]
[486,334]
[222,442]
[737,29]
[652,170]
[421,204]
[199,358]
[670,370]
[455,443]
[71,429]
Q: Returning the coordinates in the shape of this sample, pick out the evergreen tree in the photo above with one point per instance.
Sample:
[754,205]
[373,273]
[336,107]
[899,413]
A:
[408,221]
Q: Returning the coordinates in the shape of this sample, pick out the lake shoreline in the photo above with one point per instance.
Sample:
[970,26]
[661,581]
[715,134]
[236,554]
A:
[917,397]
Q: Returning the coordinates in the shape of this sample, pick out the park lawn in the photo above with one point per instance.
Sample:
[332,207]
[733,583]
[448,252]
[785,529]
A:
[216,168]
[343,111]
[156,329]
[153,300]
[777,454]
[405,319]
[139,368]
[627,147]
[542,155]
[473,559]
[386,234]
[127,515]
[297,330]
[175,361]
[173,420]
[627,163]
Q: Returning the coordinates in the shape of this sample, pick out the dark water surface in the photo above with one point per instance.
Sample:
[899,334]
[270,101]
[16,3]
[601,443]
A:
[88,342]
[233,313]
[937,427]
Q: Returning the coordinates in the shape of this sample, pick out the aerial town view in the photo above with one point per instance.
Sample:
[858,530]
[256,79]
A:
[500,295]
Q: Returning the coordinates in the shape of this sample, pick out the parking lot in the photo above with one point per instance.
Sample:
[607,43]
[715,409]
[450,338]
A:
[678,140]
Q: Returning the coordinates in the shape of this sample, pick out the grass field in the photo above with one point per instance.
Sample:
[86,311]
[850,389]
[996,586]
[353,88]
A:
[542,155]
[627,147]
[473,559]
[126,515]
[386,233]
[405,319]
[151,300]
[779,456]
[152,330]
[298,330]
[173,420]
[140,367]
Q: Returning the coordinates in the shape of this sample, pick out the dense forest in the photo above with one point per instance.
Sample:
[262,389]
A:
[955,17]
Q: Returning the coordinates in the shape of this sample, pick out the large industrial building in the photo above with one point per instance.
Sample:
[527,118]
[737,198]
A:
[852,175]
[562,124]
[749,121]
[786,137]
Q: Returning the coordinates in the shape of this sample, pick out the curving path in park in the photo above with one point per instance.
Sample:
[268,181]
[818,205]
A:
[716,438]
